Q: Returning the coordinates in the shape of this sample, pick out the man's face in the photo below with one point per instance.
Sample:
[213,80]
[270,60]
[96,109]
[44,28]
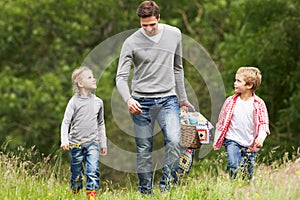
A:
[149,25]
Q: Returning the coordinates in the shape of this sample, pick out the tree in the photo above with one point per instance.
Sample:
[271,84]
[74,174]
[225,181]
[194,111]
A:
[266,36]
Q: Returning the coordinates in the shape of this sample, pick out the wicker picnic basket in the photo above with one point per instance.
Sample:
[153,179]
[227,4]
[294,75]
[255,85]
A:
[189,137]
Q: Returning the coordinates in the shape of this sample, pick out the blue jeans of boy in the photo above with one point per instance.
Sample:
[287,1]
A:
[239,160]
[165,111]
[85,154]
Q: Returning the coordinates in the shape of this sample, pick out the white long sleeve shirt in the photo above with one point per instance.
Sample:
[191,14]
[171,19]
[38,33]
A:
[83,121]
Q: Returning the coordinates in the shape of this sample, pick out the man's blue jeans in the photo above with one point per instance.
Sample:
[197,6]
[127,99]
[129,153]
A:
[85,154]
[239,160]
[165,111]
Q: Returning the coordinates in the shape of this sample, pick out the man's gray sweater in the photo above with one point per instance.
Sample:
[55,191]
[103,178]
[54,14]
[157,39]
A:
[158,69]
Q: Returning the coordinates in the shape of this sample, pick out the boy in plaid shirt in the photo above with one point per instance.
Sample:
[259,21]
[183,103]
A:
[243,123]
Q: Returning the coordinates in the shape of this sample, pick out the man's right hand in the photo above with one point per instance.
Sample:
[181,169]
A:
[133,106]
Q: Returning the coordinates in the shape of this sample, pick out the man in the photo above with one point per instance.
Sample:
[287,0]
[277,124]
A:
[155,52]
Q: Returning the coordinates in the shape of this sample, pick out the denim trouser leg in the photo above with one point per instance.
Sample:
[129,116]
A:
[92,167]
[247,164]
[171,130]
[144,164]
[76,167]
[165,111]
[239,159]
[87,154]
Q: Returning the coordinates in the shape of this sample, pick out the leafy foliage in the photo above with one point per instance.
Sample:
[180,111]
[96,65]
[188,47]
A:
[267,38]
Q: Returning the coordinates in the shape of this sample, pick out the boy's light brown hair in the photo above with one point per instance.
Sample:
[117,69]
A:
[76,77]
[251,75]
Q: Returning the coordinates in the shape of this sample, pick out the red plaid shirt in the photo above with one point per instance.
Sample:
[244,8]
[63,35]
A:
[261,120]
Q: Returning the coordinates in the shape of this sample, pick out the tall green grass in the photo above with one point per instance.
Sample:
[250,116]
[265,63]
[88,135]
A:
[28,174]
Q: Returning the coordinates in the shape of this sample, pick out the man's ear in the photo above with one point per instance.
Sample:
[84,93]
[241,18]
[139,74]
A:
[158,18]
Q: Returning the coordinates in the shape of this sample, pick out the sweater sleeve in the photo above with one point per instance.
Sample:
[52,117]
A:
[124,66]
[101,127]
[66,122]
[179,73]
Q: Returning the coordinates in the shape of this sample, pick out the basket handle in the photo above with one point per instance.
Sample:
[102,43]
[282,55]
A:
[191,110]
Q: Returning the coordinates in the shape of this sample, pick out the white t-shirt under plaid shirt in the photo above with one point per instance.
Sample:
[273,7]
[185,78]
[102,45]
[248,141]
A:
[242,128]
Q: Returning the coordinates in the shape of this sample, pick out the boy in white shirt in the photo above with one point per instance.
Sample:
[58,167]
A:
[243,123]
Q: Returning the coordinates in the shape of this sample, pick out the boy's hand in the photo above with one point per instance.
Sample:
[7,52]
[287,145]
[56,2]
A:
[103,151]
[64,147]
[260,140]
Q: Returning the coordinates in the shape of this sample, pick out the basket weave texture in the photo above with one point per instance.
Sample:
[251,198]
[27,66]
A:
[189,137]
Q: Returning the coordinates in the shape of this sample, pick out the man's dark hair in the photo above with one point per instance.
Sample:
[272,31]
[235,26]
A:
[148,9]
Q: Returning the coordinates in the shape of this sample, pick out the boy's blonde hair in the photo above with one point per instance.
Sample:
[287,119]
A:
[76,77]
[251,75]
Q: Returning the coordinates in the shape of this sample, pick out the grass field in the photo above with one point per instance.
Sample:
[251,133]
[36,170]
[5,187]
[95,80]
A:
[27,174]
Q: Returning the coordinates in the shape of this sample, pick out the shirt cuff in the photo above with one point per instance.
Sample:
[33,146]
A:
[262,135]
